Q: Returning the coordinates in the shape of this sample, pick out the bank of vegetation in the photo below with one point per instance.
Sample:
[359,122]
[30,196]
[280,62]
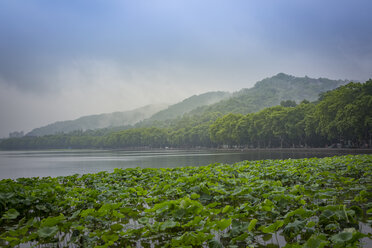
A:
[342,116]
[271,203]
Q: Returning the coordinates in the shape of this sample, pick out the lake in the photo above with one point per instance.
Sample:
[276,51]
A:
[14,164]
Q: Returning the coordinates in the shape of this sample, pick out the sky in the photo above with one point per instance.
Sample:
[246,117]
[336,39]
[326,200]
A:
[64,59]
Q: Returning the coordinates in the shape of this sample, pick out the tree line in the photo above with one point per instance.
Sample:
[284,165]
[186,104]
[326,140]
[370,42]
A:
[342,116]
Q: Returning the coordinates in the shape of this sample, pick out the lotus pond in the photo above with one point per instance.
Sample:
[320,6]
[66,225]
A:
[269,203]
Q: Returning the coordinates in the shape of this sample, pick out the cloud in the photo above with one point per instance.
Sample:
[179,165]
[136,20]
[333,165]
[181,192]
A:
[84,87]
[63,59]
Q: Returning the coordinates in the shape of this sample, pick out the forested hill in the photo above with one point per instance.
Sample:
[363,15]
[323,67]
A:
[188,105]
[270,92]
[266,93]
[99,121]
[342,116]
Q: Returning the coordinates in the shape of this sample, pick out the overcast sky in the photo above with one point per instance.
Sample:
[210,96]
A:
[63,59]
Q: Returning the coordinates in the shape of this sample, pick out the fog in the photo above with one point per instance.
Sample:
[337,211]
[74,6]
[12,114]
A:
[60,60]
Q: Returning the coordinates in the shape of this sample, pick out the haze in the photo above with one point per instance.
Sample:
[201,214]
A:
[60,60]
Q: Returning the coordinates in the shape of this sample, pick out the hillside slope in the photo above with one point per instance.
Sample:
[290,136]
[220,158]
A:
[188,105]
[99,121]
[270,92]
[265,93]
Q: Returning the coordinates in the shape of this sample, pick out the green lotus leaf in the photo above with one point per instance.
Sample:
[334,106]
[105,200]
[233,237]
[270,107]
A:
[87,212]
[222,224]
[143,220]
[47,231]
[214,244]
[301,212]
[267,236]
[326,215]
[52,221]
[116,227]
[169,224]
[11,214]
[241,237]
[110,237]
[11,239]
[316,242]
[75,215]
[342,237]
[273,227]
[332,226]
[311,224]
[193,222]
[252,225]
[227,209]
[194,196]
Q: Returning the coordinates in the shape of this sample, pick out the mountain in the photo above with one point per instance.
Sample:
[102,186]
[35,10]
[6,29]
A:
[270,92]
[188,105]
[99,121]
[265,93]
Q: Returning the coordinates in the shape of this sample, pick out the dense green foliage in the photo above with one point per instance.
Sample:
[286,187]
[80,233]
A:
[310,202]
[343,116]
[272,127]
[91,122]
[270,92]
[185,132]
[346,113]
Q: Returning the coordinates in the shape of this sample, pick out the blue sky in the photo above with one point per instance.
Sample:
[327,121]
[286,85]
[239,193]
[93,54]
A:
[62,59]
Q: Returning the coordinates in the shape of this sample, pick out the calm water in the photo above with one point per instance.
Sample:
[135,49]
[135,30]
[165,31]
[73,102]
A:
[14,164]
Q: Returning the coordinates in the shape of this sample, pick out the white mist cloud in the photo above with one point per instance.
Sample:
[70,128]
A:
[84,87]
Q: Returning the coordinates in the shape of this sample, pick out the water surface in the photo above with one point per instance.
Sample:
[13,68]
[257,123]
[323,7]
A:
[14,164]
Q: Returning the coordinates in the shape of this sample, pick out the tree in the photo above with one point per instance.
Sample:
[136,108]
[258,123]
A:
[221,131]
[288,103]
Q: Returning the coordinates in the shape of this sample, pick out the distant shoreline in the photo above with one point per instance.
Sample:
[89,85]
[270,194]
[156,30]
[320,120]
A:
[354,150]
